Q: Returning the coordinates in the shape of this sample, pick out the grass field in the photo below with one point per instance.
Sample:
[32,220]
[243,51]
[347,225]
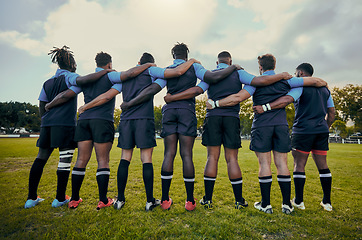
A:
[132,222]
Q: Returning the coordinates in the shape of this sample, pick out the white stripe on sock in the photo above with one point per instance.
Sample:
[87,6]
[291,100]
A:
[166,177]
[75,172]
[325,175]
[103,173]
[237,182]
[62,164]
[265,180]
[66,156]
[209,179]
[189,179]
[299,176]
[284,179]
[66,152]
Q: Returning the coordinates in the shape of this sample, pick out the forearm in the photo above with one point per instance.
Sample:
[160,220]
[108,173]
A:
[281,102]
[234,99]
[81,80]
[42,108]
[314,82]
[145,95]
[265,80]
[100,100]
[179,70]
[216,76]
[187,94]
[135,71]
[331,113]
[61,98]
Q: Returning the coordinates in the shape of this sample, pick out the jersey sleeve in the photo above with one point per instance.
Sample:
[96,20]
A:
[161,82]
[43,97]
[245,77]
[157,72]
[203,85]
[199,71]
[118,87]
[71,78]
[114,77]
[295,93]
[295,82]
[75,89]
[330,102]
[249,89]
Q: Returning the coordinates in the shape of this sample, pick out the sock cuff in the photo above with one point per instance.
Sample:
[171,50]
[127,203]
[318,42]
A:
[147,165]
[236,180]
[164,173]
[66,153]
[189,179]
[284,178]
[78,171]
[265,179]
[324,171]
[207,178]
[299,175]
[124,162]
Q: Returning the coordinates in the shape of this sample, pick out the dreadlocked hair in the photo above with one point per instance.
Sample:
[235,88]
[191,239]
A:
[64,58]
[180,50]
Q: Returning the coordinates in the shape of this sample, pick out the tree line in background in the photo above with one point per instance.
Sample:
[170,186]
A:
[347,100]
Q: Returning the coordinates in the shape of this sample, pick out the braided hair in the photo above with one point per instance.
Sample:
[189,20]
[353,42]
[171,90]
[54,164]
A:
[180,51]
[64,58]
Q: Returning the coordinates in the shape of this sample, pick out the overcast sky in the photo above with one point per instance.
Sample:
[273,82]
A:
[325,33]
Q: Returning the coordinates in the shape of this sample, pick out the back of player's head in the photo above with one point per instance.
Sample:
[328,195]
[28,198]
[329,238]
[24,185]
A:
[147,58]
[267,62]
[180,51]
[224,57]
[64,58]
[102,59]
[307,68]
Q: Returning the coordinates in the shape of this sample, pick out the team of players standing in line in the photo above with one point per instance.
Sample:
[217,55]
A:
[271,93]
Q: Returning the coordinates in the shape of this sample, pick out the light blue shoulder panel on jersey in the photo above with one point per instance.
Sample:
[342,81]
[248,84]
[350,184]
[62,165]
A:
[249,89]
[43,97]
[245,77]
[295,82]
[295,93]
[156,72]
[114,77]
[330,102]
[199,71]
[118,87]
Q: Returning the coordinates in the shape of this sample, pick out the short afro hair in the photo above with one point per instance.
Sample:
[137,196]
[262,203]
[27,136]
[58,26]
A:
[267,62]
[147,58]
[102,59]
[307,68]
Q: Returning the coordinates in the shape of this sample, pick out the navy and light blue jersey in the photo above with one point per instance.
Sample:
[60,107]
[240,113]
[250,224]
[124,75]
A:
[65,114]
[132,87]
[230,85]
[93,90]
[182,83]
[311,109]
[267,94]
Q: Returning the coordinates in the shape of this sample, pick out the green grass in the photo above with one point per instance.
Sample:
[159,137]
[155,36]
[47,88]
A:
[132,222]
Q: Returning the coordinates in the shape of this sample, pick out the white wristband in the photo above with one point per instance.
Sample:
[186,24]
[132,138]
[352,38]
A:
[264,108]
[268,106]
[212,103]
[217,103]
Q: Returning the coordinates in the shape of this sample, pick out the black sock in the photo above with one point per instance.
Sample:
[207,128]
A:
[34,177]
[189,185]
[209,183]
[265,186]
[237,185]
[77,180]
[299,181]
[63,177]
[285,186]
[325,177]
[148,181]
[122,176]
[166,178]
[63,171]
[102,180]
